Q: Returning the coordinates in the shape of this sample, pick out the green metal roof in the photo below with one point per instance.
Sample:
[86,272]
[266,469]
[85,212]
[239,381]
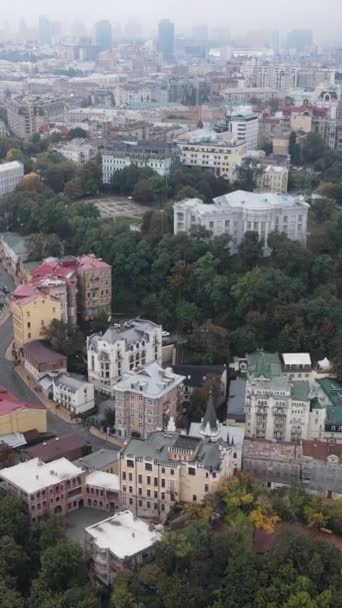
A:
[300,390]
[333,391]
[262,364]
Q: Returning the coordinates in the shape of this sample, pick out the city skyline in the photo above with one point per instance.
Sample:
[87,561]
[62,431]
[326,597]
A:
[182,15]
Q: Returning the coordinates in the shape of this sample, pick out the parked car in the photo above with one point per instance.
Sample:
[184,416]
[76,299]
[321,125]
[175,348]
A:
[165,334]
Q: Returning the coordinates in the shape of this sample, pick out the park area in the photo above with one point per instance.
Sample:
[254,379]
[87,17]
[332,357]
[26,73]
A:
[120,207]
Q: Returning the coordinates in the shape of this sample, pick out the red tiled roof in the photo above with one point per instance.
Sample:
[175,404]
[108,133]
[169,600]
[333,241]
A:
[90,262]
[57,447]
[9,403]
[40,351]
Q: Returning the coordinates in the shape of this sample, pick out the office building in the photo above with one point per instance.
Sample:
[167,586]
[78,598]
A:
[158,156]
[122,350]
[300,40]
[145,401]
[26,115]
[119,542]
[219,152]
[45,30]
[11,175]
[243,124]
[166,39]
[240,212]
[272,178]
[103,35]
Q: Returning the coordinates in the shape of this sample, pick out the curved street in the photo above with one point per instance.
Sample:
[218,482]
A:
[14,384]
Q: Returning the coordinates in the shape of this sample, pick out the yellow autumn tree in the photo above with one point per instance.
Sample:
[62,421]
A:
[263,517]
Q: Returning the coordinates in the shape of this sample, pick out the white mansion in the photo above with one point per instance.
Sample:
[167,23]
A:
[122,350]
[240,212]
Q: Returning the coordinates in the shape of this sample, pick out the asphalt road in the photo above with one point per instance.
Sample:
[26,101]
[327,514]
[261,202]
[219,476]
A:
[14,384]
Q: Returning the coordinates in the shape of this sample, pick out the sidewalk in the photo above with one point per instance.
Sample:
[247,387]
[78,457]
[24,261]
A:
[60,411]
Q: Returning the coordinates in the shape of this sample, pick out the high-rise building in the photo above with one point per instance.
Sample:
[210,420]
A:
[299,40]
[103,35]
[200,33]
[166,39]
[45,30]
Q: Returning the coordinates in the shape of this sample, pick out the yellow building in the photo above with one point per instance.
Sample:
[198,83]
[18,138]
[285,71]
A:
[32,312]
[20,417]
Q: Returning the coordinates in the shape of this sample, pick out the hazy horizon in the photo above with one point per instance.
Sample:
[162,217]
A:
[265,15]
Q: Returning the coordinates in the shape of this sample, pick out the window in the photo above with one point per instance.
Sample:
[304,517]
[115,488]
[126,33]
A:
[163,495]
[29,325]
[163,483]
[140,503]
[130,476]
[163,470]
[131,501]
[163,507]
[191,471]
[155,506]
[124,476]
[156,481]
[194,498]
[130,490]
[130,463]
[148,480]
[148,466]
[139,478]
[140,491]
[148,492]
[148,505]
[206,488]
[156,494]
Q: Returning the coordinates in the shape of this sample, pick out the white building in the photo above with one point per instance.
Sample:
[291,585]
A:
[219,152]
[277,407]
[123,350]
[159,156]
[145,401]
[70,391]
[11,175]
[78,151]
[244,125]
[117,542]
[240,212]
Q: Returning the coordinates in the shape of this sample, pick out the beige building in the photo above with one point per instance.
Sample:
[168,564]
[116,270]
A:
[221,153]
[31,315]
[169,467]
[26,114]
[280,144]
[273,179]
[145,401]
[94,287]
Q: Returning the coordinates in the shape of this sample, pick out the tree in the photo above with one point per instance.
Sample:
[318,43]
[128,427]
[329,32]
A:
[64,338]
[73,189]
[263,516]
[187,192]
[314,148]
[51,532]
[62,566]
[31,183]
[10,598]
[43,246]
[143,191]
[250,250]
[91,177]
[78,133]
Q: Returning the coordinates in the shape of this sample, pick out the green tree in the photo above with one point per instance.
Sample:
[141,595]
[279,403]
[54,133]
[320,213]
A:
[250,250]
[62,567]
[64,338]
[143,191]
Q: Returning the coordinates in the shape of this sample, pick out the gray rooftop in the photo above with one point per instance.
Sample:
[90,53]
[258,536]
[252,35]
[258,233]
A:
[71,381]
[16,242]
[139,330]
[97,460]
[156,448]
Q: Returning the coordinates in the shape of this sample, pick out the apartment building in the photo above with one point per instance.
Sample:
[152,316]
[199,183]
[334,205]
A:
[170,467]
[272,178]
[244,94]
[26,114]
[11,175]
[122,350]
[60,279]
[94,287]
[19,416]
[39,359]
[219,152]
[32,313]
[145,401]
[278,408]
[119,542]
[102,491]
[240,212]
[52,488]
[159,156]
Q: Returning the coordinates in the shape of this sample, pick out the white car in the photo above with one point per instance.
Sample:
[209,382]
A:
[116,325]
[165,334]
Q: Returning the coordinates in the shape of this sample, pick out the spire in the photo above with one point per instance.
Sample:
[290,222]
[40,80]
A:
[209,426]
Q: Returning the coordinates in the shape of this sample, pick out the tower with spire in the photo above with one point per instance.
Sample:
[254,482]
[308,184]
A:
[210,426]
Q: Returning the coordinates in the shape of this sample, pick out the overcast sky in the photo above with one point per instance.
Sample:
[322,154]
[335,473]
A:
[325,18]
